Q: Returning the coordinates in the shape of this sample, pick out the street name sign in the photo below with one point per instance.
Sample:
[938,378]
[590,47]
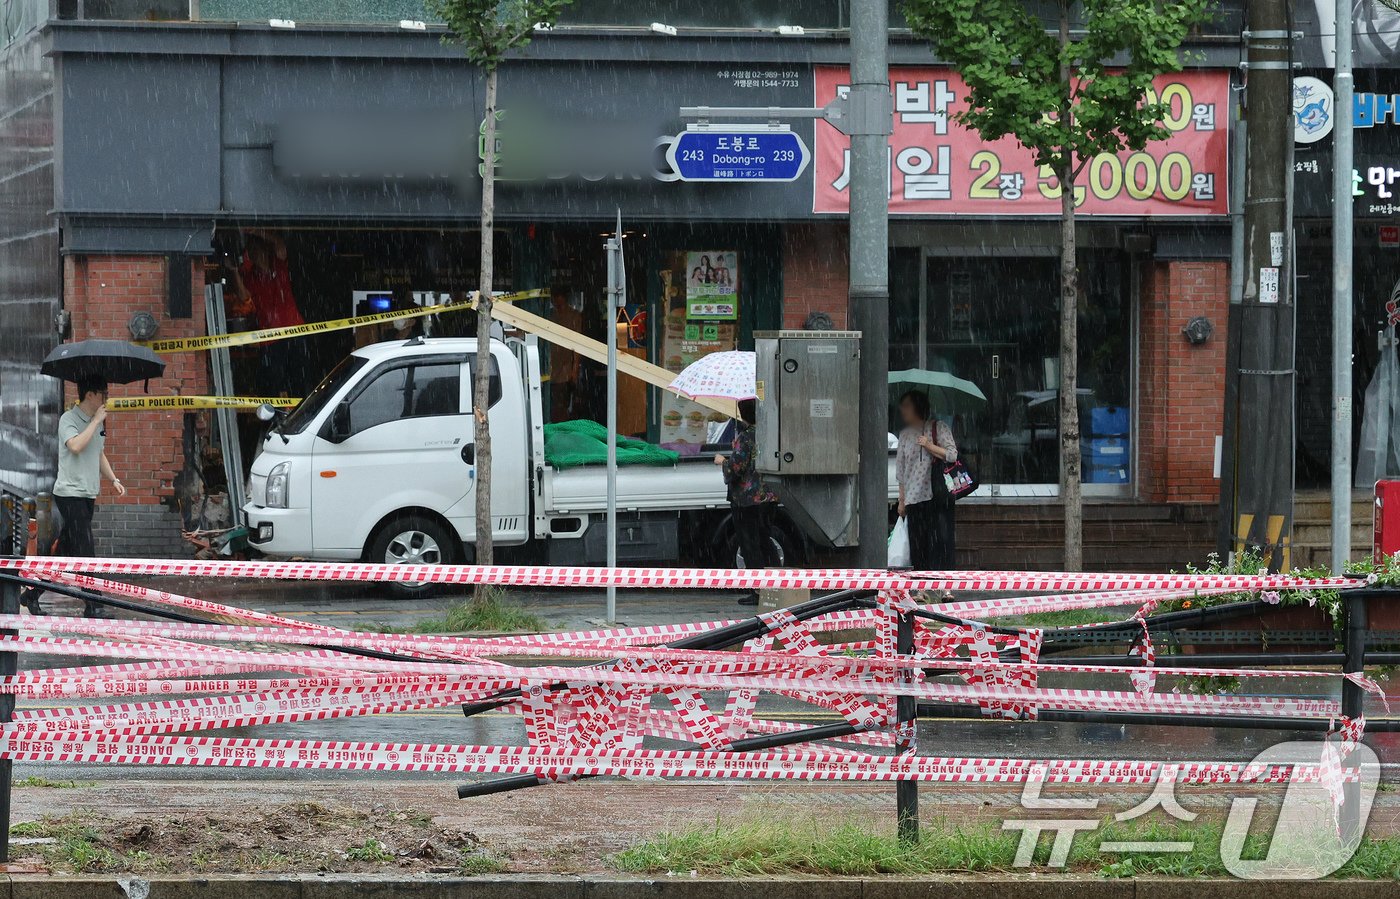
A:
[738,153]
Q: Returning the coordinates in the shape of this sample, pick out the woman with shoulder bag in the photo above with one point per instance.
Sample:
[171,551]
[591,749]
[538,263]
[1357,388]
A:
[925,447]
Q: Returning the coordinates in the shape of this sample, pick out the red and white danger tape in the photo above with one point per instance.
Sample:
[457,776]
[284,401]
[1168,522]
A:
[591,720]
[123,749]
[676,578]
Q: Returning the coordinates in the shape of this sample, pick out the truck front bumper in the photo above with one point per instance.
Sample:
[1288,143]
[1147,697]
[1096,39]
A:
[280,532]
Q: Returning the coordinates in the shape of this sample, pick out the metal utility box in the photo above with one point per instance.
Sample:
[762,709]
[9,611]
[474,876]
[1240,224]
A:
[808,402]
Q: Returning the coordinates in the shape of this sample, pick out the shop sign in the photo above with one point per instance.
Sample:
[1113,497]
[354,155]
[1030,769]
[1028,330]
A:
[1389,235]
[1313,104]
[737,153]
[938,167]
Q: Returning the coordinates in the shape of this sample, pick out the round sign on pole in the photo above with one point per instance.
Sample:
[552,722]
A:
[1313,109]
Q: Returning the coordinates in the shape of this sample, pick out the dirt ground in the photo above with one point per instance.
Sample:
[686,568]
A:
[174,826]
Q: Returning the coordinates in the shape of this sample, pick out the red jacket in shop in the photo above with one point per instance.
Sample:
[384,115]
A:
[273,302]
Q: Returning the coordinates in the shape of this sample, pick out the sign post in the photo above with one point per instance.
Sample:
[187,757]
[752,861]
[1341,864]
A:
[617,299]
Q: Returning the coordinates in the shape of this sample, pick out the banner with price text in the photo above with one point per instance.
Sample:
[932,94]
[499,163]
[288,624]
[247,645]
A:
[939,167]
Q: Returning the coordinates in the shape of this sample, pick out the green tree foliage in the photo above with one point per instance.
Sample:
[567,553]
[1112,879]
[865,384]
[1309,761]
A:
[489,29]
[1021,76]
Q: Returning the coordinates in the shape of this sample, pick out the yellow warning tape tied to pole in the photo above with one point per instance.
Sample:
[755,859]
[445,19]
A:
[268,335]
[182,403]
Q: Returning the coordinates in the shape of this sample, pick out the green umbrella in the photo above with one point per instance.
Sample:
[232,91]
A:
[946,392]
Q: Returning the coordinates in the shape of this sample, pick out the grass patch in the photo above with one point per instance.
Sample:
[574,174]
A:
[765,849]
[1074,617]
[489,611]
[371,850]
[479,863]
[53,784]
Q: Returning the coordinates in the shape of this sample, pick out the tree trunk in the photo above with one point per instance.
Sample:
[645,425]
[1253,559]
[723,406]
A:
[1071,492]
[481,370]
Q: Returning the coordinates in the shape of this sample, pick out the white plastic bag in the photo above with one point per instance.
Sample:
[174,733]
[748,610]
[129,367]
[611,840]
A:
[899,546]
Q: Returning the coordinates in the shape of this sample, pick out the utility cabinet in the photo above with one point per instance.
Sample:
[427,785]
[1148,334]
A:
[808,402]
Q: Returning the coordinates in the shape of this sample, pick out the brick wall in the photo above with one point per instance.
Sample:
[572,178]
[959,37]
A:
[1181,386]
[816,272]
[144,447]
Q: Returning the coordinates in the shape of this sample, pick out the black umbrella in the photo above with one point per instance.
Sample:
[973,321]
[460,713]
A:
[114,361]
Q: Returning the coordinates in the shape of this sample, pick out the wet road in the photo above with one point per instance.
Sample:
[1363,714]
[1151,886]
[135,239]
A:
[359,607]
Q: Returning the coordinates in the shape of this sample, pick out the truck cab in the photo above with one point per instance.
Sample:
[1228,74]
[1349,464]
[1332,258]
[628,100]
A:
[383,450]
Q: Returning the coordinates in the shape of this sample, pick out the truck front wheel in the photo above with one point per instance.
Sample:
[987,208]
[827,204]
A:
[412,540]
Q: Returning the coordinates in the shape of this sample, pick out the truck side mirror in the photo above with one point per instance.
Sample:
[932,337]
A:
[340,422]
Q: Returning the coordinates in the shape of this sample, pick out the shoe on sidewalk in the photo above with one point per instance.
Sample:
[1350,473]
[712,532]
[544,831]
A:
[93,610]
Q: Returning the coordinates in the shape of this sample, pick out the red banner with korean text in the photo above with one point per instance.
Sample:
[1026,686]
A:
[939,167]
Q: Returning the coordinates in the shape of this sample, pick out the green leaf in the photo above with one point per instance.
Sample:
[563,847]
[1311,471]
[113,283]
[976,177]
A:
[489,29]
[1015,69]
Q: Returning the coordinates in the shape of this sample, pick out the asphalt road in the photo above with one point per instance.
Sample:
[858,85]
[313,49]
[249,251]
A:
[362,607]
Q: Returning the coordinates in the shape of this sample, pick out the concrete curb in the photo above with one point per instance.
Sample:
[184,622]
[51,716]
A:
[546,887]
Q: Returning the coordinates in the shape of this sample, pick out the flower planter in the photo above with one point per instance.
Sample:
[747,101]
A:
[1279,629]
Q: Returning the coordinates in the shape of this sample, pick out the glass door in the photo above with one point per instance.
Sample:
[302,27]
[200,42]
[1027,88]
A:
[994,320]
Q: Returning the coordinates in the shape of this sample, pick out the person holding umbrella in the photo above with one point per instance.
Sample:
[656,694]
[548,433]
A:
[750,502]
[82,439]
[924,501]
[82,463]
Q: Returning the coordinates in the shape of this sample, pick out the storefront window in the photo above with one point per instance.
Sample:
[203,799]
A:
[994,320]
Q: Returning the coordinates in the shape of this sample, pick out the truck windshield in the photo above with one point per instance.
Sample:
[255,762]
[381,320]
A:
[307,410]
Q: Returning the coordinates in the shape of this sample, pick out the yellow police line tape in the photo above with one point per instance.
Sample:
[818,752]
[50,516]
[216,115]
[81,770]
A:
[181,403]
[268,335]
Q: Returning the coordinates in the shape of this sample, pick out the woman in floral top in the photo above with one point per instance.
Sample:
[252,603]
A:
[750,502]
[925,446]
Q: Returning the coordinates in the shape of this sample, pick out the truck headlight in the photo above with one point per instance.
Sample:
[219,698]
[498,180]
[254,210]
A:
[277,485]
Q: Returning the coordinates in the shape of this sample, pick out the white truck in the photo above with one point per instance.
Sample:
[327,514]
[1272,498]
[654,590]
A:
[378,463]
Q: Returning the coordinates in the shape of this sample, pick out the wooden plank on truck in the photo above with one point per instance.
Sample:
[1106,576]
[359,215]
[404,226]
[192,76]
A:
[515,317]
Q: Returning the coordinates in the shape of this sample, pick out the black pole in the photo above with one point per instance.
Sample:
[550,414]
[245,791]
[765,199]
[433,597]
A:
[14,531]
[906,795]
[1353,702]
[731,635]
[1208,660]
[1155,719]
[184,618]
[748,744]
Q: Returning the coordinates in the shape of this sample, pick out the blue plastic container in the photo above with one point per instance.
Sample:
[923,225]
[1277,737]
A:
[1109,421]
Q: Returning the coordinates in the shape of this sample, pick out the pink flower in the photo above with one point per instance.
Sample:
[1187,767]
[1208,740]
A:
[1271,597]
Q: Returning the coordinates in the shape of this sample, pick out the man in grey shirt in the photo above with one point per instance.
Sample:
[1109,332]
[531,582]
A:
[82,464]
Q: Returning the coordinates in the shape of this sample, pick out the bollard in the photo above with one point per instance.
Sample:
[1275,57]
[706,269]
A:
[906,796]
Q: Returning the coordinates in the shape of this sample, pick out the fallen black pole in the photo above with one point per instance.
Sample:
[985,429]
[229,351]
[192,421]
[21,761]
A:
[1061,639]
[729,635]
[1217,660]
[184,618]
[748,744]
[1148,719]
[732,634]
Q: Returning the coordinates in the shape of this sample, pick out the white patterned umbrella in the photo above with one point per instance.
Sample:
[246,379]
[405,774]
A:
[727,375]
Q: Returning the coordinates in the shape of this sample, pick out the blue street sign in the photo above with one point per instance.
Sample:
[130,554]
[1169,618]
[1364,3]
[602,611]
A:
[741,153]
